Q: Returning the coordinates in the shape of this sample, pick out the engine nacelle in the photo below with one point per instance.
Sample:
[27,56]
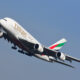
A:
[1,34]
[61,56]
[39,48]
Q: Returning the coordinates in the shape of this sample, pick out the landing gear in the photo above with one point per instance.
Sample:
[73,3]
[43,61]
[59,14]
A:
[29,54]
[24,52]
[14,47]
[21,51]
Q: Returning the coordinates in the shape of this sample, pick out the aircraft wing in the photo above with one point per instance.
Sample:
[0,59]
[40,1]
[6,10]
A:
[26,43]
[67,57]
[52,53]
[70,58]
[57,61]
[48,51]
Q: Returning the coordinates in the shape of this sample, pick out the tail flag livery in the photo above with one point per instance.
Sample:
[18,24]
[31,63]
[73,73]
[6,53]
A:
[58,45]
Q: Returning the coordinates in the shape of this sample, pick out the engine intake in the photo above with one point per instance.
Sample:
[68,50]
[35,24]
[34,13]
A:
[39,48]
[61,56]
[36,46]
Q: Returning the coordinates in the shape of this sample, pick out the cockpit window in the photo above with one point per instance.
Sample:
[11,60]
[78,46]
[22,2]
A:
[5,19]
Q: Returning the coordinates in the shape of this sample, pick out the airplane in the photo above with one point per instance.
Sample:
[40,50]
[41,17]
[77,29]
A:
[25,43]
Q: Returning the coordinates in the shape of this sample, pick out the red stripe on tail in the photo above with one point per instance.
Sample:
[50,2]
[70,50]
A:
[52,47]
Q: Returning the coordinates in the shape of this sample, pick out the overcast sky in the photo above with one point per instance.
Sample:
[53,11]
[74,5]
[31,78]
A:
[48,21]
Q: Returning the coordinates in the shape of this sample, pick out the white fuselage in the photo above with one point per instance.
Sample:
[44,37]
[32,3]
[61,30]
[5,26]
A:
[16,31]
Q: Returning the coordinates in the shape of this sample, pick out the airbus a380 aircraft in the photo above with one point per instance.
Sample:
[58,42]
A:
[27,44]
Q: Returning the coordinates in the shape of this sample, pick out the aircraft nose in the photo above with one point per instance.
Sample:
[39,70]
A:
[3,23]
[0,22]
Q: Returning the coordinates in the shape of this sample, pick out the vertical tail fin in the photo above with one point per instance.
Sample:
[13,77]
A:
[58,45]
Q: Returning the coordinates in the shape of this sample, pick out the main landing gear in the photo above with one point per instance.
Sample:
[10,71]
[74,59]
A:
[21,51]
[14,47]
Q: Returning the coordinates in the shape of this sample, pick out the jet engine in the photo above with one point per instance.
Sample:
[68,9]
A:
[39,48]
[61,56]
[1,34]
